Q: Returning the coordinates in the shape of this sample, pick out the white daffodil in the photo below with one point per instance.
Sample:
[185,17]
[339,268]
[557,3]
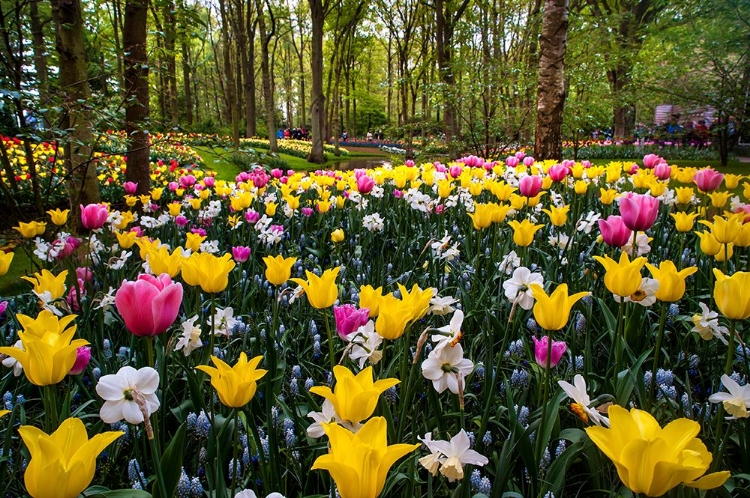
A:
[641,243]
[326,415]
[456,454]
[120,392]
[365,343]
[518,287]
[450,334]
[706,324]
[224,321]
[737,401]
[430,462]
[249,493]
[190,339]
[581,401]
[444,366]
[13,363]
[442,305]
[645,295]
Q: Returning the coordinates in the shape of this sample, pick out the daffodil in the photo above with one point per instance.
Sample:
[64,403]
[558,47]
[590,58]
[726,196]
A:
[235,385]
[737,401]
[321,291]
[624,277]
[63,463]
[359,463]
[523,232]
[208,271]
[732,294]
[671,281]
[451,455]
[652,460]
[278,268]
[354,397]
[581,405]
[552,311]
[48,282]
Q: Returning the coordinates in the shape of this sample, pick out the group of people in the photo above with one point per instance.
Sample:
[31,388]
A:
[695,133]
[378,136]
[293,133]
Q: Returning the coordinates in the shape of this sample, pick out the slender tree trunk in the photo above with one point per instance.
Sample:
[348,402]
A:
[186,74]
[229,83]
[40,58]
[551,86]
[251,114]
[317,111]
[170,36]
[136,89]
[265,39]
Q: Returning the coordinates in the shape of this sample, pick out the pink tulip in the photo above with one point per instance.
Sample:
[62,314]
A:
[633,169]
[455,171]
[84,274]
[252,216]
[173,186]
[530,185]
[638,211]
[409,163]
[187,181]
[586,164]
[540,351]
[365,184]
[520,154]
[83,356]
[3,307]
[130,187]
[209,181]
[663,171]
[241,253]
[307,211]
[149,305]
[277,173]
[93,216]
[181,221]
[73,296]
[528,161]
[651,160]
[568,163]
[708,179]
[558,172]
[614,232]
[440,168]
[68,247]
[349,319]
[511,161]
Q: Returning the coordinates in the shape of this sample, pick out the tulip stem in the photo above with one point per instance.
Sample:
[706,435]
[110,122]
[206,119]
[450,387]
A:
[330,341]
[157,466]
[657,351]
[618,340]
[236,444]
[51,418]
[540,431]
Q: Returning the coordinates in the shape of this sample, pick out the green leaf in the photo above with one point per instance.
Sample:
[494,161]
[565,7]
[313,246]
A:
[171,463]
[102,492]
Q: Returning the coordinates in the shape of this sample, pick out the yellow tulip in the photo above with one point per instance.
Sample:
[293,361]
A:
[622,278]
[499,212]
[503,191]
[671,282]
[724,230]
[126,218]
[235,385]
[4,413]
[337,235]
[324,206]
[726,251]
[278,268]
[271,208]
[29,230]
[743,239]
[418,300]
[161,261]
[45,322]
[746,190]
[732,294]
[208,271]
[709,245]
[292,201]
[369,298]
[354,398]
[393,317]
[131,200]
[46,360]
[156,193]
[552,311]
[731,181]
[145,199]
[684,195]
[359,463]
[652,460]
[174,208]
[63,463]
[719,198]
[193,241]
[47,282]
[581,187]
[523,232]
[5,260]
[684,222]
[126,239]
[482,216]
[195,203]
[58,217]
[557,215]
[607,196]
[321,291]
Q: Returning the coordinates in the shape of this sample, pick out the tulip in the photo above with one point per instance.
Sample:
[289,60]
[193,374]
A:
[671,281]
[5,259]
[93,216]
[359,463]
[542,346]
[614,232]
[558,172]
[369,298]
[523,232]
[530,185]
[684,195]
[622,278]
[557,215]
[278,268]
[724,230]
[552,311]
[30,230]
[337,235]
[149,305]
[160,260]
[63,463]
[208,271]
[663,171]
[684,222]
[527,161]
[418,300]
[719,199]
[651,160]
[732,294]
[321,291]
[708,243]
[235,385]
[354,398]
[393,317]
[707,179]
[638,211]
[47,282]
[652,460]
[349,319]
[511,161]
[58,217]
[607,196]
[482,216]
[241,253]
[130,187]
[83,356]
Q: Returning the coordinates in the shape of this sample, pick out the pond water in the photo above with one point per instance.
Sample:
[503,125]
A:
[360,162]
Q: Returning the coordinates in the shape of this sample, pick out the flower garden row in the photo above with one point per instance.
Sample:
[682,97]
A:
[523,328]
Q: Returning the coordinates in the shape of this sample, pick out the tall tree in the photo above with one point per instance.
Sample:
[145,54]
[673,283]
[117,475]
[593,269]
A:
[267,32]
[229,79]
[318,11]
[83,187]
[136,94]
[551,86]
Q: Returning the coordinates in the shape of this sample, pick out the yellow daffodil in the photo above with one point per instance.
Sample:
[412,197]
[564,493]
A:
[354,398]
[684,222]
[724,230]
[622,278]
[5,259]
[369,298]
[278,268]
[321,291]
[552,311]
[235,385]
[359,463]
[63,463]
[208,271]
[523,232]
[193,241]
[47,282]
[58,217]
[482,216]
[671,282]
[732,294]
[337,235]
[557,215]
[652,460]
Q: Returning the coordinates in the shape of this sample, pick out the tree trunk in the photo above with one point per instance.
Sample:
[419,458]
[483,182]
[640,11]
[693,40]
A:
[624,113]
[551,85]
[229,83]
[186,73]
[251,114]
[136,89]
[317,111]
[83,187]
[265,39]
[40,59]
[170,36]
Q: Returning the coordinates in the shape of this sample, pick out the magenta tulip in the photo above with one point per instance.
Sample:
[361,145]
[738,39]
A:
[530,185]
[83,356]
[455,171]
[130,187]
[638,211]
[241,253]
[149,305]
[409,163]
[365,184]
[511,161]
[708,179]
[349,318]
[94,216]
[528,161]
[558,172]
[651,160]
[209,181]
[540,351]
[663,171]
[614,232]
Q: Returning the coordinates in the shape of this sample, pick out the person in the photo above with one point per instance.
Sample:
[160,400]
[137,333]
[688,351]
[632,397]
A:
[369,136]
[280,133]
[344,136]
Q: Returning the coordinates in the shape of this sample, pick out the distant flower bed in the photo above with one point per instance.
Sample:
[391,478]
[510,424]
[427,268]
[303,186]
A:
[297,148]
[672,152]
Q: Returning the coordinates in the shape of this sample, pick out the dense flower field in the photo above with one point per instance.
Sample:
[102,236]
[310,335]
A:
[511,328]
